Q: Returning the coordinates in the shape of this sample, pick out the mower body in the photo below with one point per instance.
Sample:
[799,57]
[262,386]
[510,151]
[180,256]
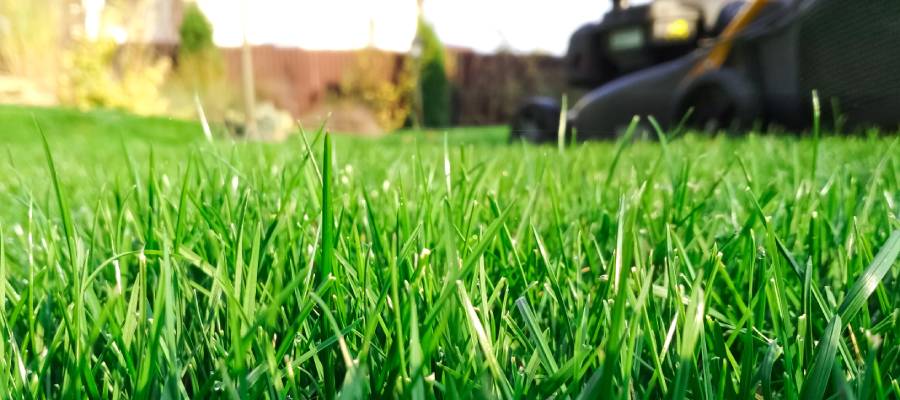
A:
[629,39]
[847,52]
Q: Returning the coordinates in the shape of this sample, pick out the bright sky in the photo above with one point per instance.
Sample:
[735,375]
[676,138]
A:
[483,25]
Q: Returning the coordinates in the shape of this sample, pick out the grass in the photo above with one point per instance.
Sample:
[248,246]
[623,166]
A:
[136,260]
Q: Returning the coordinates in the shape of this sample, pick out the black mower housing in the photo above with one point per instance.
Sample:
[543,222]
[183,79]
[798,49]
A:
[630,39]
[846,51]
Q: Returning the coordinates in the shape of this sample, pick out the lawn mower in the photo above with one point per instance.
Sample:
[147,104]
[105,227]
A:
[714,65]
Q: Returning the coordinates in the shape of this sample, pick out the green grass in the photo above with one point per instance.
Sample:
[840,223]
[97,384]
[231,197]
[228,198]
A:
[136,260]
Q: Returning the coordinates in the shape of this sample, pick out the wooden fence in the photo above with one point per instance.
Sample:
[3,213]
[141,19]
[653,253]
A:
[486,88]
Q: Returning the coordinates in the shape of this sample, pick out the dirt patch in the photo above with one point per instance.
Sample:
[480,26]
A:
[15,90]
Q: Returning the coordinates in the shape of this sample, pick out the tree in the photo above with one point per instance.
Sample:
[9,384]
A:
[434,87]
[196,31]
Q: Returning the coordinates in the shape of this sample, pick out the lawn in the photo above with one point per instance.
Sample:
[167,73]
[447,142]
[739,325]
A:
[138,260]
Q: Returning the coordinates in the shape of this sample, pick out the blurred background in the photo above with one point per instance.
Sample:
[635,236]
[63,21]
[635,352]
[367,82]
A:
[254,67]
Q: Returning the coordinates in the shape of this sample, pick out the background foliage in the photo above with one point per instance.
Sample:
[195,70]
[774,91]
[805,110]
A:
[381,86]
[31,41]
[434,86]
[200,69]
[103,74]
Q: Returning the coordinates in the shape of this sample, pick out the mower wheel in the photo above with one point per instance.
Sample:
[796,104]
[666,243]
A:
[717,100]
[537,120]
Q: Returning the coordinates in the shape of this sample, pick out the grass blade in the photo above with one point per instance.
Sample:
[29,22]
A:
[544,349]
[487,348]
[817,378]
[563,120]
[867,283]
[691,332]
[327,214]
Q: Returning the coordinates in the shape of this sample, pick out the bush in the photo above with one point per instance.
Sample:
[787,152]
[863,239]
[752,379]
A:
[102,74]
[492,87]
[386,89]
[196,31]
[31,40]
[433,83]
[201,69]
